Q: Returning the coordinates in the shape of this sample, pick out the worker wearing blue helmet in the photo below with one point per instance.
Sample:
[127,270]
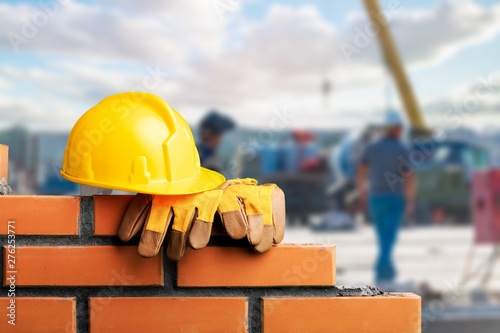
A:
[387,186]
[212,129]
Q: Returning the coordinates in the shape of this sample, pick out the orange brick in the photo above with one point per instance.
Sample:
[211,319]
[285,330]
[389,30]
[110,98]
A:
[4,162]
[84,266]
[399,313]
[40,214]
[40,314]
[168,314]
[283,265]
[108,213]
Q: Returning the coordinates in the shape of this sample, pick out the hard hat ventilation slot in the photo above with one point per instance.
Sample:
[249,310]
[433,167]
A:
[140,173]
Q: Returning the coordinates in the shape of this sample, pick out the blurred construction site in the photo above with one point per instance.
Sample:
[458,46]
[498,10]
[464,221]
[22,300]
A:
[322,77]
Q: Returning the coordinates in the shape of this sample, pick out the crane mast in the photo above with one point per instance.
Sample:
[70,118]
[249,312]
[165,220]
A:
[396,68]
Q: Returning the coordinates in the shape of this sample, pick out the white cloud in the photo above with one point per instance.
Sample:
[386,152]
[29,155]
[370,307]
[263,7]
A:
[21,111]
[428,36]
[470,104]
[111,33]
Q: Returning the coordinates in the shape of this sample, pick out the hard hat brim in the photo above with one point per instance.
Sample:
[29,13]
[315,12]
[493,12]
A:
[207,180]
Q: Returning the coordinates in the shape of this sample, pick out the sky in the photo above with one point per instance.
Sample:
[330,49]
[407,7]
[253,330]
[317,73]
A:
[251,59]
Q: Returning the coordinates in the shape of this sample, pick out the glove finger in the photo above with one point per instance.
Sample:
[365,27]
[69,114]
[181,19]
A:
[136,214]
[279,214]
[156,226]
[232,213]
[177,241]
[241,213]
[255,228]
[176,245]
[199,236]
[255,219]
[273,207]
[235,223]
[266,242]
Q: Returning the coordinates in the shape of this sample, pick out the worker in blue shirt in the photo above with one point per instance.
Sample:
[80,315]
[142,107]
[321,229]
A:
[386,183]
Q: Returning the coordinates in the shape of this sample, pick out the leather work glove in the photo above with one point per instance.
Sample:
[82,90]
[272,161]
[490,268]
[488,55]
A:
[257,212]
[154,213]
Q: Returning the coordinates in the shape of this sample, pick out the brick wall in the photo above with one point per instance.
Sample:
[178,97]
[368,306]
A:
[72,274]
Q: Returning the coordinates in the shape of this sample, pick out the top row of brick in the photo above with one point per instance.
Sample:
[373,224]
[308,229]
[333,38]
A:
[58,215]
[39,215]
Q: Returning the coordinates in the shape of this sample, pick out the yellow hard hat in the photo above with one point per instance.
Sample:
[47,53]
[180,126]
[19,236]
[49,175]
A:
[136,142]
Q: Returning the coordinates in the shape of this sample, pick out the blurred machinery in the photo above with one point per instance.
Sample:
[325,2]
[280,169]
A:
[444,180]
[444,172]
[296,168]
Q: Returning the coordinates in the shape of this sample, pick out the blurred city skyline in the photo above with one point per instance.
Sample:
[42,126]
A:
[36,155]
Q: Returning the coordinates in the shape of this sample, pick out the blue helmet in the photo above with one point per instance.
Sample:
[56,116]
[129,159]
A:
[393,118]
[216,123]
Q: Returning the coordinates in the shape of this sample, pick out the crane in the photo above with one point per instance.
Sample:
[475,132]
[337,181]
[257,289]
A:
[396,68]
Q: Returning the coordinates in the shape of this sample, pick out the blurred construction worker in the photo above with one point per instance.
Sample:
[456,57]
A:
[387,185]
[212,129]
[305,152]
